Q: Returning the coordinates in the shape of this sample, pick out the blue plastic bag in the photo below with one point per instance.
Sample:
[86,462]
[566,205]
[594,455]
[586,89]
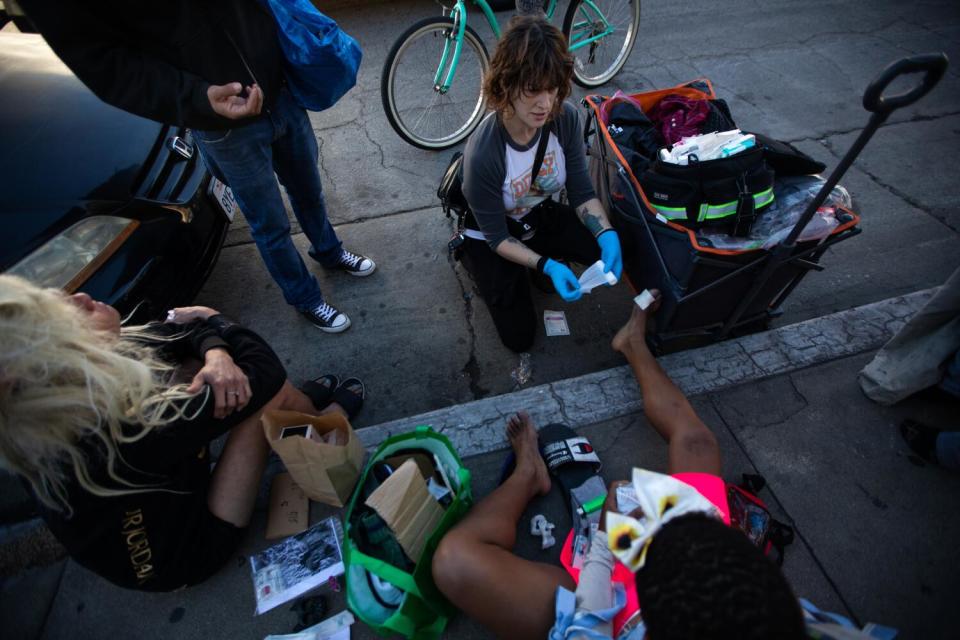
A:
[321,60]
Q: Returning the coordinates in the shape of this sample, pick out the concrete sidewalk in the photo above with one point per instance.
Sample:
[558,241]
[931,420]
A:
[874,522]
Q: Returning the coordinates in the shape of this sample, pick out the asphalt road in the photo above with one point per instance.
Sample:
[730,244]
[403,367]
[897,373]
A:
[794,70]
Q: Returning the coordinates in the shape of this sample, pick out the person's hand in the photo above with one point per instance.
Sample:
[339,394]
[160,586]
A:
[227,100]
[228,383]
[609,243]
[183,315]
[563,279]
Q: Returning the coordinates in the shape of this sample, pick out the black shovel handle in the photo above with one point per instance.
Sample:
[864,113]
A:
[933,66]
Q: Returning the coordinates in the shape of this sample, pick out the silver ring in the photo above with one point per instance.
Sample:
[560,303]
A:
[234,393]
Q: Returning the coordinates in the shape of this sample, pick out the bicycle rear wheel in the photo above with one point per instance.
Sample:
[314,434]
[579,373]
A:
[419,110]
[601,34]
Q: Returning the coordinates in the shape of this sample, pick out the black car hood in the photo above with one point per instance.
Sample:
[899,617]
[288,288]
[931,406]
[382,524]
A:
[61,145]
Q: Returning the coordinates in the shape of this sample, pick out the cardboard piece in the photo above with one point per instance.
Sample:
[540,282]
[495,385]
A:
[423,461]
[289,511]
[326,472]
[407,507]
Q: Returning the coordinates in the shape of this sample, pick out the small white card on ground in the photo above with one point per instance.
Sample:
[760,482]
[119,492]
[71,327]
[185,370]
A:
[555,323]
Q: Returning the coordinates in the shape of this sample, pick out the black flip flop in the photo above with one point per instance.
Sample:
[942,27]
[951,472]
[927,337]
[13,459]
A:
[351,401]
[321,394]
[574,464]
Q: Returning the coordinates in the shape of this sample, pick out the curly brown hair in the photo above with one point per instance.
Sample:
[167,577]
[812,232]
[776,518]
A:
[531,56]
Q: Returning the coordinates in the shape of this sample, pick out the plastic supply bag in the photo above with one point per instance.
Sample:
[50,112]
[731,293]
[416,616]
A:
[618,97]
[321,60]
[773,225]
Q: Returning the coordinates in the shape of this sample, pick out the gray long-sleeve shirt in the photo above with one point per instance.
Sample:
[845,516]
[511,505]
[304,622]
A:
[496,172]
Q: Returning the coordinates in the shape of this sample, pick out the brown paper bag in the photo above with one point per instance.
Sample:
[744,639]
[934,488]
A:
[327,473]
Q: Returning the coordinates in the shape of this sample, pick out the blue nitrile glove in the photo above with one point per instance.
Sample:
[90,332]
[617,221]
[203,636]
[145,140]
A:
[609,243]
[563,279]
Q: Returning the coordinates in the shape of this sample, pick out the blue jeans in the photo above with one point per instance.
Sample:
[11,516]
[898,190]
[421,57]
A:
[282,141]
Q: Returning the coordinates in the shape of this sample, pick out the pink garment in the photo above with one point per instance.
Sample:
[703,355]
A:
[679,117]
[711,487]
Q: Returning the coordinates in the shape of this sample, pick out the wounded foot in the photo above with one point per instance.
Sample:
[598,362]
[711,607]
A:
[632,333]
[530,466]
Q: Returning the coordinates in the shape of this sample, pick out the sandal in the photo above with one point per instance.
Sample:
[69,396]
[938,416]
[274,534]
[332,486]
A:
[350,395]
[573,463]
[321,390]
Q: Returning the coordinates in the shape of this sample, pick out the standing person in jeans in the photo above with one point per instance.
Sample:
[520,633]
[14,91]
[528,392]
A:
[514,227]
[529,7]
[215,67]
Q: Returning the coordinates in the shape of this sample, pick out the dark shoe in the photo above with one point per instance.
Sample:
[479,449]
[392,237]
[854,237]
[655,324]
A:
[327,318]
[921,439]
[350,395]
[354,264]
[320,391]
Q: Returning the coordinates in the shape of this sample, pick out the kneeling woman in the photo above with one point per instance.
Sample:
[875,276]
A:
[110,427]
[516,225]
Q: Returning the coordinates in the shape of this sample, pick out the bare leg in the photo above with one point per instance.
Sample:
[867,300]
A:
[236,478]
[692,446]
[475,566]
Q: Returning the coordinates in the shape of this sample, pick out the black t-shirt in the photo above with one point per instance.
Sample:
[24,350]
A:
[142,540]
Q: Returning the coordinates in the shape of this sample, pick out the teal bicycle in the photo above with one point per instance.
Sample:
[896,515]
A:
[432,79]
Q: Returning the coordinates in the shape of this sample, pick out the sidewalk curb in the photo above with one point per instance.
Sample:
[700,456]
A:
[477,427]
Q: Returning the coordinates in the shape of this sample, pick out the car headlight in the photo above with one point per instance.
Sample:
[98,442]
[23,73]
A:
[67,260]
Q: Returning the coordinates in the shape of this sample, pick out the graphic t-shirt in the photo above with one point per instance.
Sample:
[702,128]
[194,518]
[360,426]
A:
[496,173]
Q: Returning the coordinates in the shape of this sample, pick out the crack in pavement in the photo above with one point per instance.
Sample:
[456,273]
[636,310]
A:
[822,136]
[472,367]
[905,197]
[296,232]
[561,403]
[790,520]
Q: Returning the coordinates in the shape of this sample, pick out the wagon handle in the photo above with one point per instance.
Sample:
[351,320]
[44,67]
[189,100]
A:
[933,66]
[881,107]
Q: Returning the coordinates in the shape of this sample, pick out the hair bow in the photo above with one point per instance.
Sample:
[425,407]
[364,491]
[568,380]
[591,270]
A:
[661,498]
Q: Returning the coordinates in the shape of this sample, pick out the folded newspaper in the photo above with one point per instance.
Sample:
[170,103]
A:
[297,565]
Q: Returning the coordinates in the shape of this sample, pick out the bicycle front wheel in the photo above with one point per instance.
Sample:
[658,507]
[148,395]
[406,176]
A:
[601,34]
[420,109]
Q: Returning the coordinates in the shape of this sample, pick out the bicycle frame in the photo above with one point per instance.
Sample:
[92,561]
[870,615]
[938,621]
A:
[588,5]
[450,59]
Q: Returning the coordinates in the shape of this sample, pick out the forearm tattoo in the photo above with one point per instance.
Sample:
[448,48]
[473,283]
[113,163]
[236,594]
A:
[589,220]
[530,258]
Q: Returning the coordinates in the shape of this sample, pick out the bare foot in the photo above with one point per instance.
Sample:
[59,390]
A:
[530,466]
[631,335]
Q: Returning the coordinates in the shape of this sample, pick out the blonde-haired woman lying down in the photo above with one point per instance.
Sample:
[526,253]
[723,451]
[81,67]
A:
[109,427]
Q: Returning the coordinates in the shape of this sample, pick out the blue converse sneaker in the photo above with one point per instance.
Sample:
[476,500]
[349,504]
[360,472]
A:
[327,318]
[355,265]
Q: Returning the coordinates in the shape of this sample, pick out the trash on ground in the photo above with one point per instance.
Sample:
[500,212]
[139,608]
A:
[289,511]
[524,371]
[540,526]
[297,565]
[555,323]
[334,628]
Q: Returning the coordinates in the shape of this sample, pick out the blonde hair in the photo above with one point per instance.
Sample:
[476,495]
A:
[61,381]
